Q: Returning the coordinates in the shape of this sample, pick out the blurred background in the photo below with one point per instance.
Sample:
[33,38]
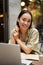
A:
[9,10]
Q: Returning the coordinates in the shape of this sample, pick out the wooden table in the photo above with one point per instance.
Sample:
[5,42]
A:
[39,62]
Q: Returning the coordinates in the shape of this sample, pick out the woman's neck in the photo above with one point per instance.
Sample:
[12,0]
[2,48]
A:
[23,36]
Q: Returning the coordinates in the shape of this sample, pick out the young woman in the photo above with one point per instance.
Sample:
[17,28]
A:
[24,35]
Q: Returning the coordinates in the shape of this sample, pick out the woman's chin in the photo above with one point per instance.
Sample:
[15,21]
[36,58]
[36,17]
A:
[24,30]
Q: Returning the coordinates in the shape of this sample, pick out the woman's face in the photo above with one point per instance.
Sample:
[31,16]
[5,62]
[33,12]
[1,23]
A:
[24,22]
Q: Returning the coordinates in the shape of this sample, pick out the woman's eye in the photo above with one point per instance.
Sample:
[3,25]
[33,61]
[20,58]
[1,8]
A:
[24,19]
[29,20]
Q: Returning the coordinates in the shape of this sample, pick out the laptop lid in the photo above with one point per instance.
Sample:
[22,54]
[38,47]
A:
[10,54]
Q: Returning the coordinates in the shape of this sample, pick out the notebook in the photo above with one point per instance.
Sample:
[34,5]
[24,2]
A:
[29,56]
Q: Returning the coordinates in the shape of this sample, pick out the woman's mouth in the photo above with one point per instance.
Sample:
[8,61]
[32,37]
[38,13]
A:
[25,26]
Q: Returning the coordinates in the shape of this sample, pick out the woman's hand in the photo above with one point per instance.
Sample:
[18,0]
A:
[15,33]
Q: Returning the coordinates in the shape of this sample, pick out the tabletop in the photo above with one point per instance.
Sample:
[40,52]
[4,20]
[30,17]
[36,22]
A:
[38,62]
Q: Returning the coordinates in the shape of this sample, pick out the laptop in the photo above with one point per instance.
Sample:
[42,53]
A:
[10,54]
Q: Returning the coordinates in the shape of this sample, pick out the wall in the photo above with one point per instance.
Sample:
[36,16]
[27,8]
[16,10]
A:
[14,9]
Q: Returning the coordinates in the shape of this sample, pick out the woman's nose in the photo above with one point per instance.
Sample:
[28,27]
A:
[25,22]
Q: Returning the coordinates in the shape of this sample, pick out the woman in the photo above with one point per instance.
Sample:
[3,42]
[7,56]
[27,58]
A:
[24,35]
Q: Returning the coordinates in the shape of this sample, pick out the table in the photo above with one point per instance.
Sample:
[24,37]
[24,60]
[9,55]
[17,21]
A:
[39,62]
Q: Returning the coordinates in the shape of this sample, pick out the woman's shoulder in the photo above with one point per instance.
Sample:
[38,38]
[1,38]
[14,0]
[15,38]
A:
[33,29]
[32,32]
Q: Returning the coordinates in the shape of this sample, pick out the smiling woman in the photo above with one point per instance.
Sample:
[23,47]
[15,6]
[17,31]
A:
[24,35]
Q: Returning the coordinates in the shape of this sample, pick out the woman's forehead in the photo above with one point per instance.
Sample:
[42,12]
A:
[26,15]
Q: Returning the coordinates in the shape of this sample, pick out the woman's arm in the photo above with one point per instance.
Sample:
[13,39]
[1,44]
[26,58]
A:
[33,40]
[14,35]
[24,47]
[32,44]
[12,40]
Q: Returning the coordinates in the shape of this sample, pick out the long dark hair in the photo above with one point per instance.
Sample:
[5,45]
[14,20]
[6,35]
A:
[21,13]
